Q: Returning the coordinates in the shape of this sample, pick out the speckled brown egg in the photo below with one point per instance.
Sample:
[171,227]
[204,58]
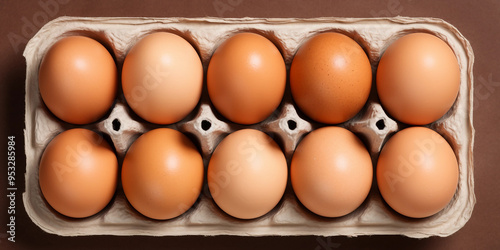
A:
[330,78]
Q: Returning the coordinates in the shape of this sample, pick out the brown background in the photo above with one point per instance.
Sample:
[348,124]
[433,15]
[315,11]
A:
[478,22]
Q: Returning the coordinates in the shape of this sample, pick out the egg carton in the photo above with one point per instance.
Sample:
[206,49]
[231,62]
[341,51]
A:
[287,125]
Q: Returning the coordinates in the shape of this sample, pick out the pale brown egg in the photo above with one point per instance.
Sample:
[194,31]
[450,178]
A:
[78,173]
[417,172]
[246,78]
[162,78]
[331,172]
[78,80]
[247,174]
[330,78]
[418,79]
[162,174]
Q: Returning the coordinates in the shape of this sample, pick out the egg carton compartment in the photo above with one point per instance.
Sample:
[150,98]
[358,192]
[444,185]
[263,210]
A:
[287,125]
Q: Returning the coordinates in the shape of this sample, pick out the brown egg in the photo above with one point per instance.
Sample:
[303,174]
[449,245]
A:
[418,79]
[417,172]
[330,78]
[78,173]
[247,174]
[78,80]
[246,78]
[162,78]
[331,172]
[162,174]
